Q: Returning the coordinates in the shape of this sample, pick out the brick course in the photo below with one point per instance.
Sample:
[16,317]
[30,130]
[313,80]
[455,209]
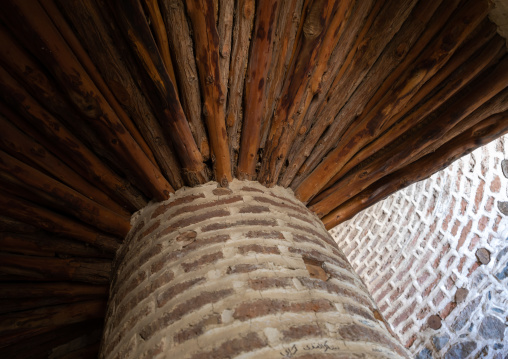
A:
[418,246]
[243,271]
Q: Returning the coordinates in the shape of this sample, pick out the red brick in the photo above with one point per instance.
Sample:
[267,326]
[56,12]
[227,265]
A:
[194,220]
[173,291]
[265,234]
[495,185]
[263,307]
[450,261]
[463,206]
[433,285]
[222,191]
[461,264]
[252,189]
[254,209]
[455,227]
[266,283]
[474,242]
[410,341]
[483,223]
[162,209]
[246,222]
[464,233]
[404,315]
[317,284]
[356,332]
[196,329]
[206,259]
[479,195]
[449,216]
[308,330]
[438,298]
[473,268]
[448,309]
[423,313]
[258,249]
[490,204]
[423,277]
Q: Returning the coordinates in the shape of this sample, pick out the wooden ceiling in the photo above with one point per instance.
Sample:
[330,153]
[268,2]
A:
[106,105]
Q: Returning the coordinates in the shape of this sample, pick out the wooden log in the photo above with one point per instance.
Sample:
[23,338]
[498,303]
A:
[259,63]
[53,316]
[180,43]
[78,50]
[65,290]
[285,40]
[437,93]
[370,126]
[54,136]
[156,81]
[19,145]
[75,203]
[57,56]
[206,43]
[52,222]
[475,137]
[41,244]
[225,30]
[105,54]
[31,268]
[44,340]
[161,37]
[325,133]
[390,57]
[311,63]
[484,98]
[241,39]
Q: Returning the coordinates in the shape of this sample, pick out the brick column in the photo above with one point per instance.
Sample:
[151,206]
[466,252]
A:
[244,272]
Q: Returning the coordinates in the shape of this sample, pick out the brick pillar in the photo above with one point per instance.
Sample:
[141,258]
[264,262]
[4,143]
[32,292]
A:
[241,272]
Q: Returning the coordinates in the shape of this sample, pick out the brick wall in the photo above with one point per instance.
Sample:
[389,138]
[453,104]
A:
[435,258]
[243,272]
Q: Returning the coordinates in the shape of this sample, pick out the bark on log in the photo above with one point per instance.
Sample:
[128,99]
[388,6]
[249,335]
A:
[19,145]
[324,134]
[41,244]
[146,62]
[465,110]
[436,94]
[181,46]
[206,43]
[94,35]
[31,268]
[225,30]
[66,290]
[243,22]
[477,136]
[78,205]
[54,136]
[255,91]
[53,316]
[25,211]
[378,119]
[57,56]
[391,56]
[82,56]
[161,37]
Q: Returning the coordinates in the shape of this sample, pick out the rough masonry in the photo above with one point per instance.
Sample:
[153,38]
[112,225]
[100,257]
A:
[238,272]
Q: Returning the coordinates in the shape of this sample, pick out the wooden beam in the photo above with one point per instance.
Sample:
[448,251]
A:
[106,55]
[471,106]
[161,37]
[69,290]
[78,50]
[475,137]
[156,80]
[180,43]
[225,30]
[52,222]
[53,316]
[54,136]
[206,43]
[437,90]
[31,268]
[327,130]
[44,245]
[75,203]
[392,54]
[57,56]
[255,91]
[371,125]
[242,30]
[24,148]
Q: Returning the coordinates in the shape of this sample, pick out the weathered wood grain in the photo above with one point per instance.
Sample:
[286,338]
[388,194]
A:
[206,44]
[378,119]
[82,90]
[477,136]
[181,46]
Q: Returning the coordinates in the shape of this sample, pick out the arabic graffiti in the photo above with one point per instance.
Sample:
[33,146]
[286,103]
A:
[324,346]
